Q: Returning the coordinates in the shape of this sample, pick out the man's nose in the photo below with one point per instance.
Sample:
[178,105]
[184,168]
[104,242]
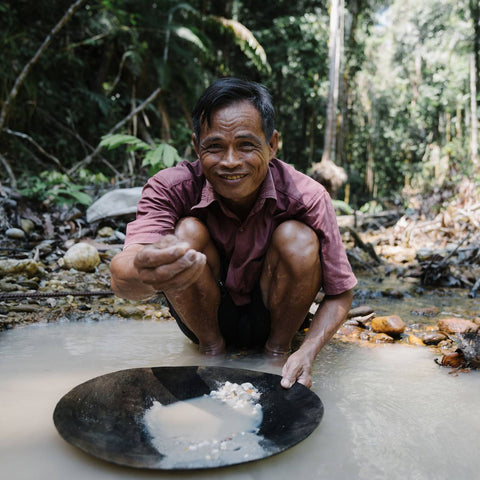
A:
[231,158]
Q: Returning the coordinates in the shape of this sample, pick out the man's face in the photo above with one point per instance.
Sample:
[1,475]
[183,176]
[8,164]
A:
[234,154]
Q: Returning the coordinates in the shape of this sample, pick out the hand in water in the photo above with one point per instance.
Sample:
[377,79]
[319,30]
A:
[297,368]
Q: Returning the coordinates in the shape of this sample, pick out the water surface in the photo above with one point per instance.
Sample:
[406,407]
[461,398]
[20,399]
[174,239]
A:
[390,411]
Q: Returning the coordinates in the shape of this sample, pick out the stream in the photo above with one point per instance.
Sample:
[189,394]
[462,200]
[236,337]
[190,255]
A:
[390,411]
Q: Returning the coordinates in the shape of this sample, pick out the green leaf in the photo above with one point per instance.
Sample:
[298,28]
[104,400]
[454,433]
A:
[161,157]
[154,157]
[117,140]
[189,36]
[81,197]
[344,207]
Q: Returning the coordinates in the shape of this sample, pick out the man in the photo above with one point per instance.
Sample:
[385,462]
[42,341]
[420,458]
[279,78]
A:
[239,242]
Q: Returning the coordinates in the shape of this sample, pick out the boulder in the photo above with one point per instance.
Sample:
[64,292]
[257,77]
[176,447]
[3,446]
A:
[118,202]
[457,325]
[392,325]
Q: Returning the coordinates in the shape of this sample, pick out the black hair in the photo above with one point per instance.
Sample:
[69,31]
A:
[229,90]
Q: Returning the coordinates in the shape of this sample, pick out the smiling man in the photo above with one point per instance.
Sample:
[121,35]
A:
[239,242]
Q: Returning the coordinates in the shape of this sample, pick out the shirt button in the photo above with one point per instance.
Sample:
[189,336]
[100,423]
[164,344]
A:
[241,229]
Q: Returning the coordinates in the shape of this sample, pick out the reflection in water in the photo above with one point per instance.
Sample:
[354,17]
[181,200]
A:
[390,411]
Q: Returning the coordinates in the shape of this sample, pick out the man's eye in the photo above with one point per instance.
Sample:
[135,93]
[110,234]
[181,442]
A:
[213,146]
[247,145]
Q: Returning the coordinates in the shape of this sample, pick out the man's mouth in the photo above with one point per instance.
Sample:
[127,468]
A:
[233,177]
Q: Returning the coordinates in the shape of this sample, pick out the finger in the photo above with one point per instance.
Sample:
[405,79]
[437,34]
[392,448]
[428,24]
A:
[179,274]
[289,375]
[287,382]
[188,276]
[305,379]
[153,256]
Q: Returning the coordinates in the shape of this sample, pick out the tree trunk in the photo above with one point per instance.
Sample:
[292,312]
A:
[334,55]
[473,106]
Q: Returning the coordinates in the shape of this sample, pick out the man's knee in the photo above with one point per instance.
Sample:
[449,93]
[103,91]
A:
[296,243]
[194,232]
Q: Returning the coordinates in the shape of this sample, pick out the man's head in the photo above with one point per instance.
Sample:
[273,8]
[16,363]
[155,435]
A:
[232,142]
[227,91]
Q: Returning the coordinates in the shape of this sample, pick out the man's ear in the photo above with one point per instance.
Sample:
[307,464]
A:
[273,144]
[195,145]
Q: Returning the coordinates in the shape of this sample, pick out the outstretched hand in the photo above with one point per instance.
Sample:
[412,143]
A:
[169,264]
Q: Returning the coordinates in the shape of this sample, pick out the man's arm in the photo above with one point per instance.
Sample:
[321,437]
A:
[139,271]
[330,314]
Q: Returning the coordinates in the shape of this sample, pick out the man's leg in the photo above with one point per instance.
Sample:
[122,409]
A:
[290,280]
[197,305]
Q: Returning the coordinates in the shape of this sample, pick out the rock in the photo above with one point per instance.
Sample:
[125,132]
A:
[431,311]
[433,338]
[129,311]
[382,338]
[106,232]
[27,225]
[15,233]
[82,256]
[457,325]
[392,325]
[393,293]
[414,340]
[122,201]
[360,311]
[349,331]
[15,267]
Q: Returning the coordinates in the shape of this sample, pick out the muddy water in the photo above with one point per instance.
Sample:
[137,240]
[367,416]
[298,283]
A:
[390,411]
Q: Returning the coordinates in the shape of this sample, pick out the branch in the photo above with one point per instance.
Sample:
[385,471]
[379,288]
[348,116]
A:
[132,114]
[9,170]
[26,70]
[39,147]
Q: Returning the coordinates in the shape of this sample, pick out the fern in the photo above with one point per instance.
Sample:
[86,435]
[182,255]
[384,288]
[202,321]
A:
[156,158]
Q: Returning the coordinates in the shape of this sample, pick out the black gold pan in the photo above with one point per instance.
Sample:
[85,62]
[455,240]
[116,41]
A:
[105,415]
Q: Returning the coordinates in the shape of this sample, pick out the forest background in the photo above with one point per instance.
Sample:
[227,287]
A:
[97,94]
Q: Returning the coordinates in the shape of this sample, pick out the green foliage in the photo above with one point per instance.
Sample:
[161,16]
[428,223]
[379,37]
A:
[342,207]
[157,157]
[55,187]
[404,88]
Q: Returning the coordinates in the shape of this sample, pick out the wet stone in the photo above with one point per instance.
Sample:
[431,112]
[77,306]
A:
[391,325]
[414,340]
[457,325]
[430,311]
[361,311]
[433,338]
[382,338]
[393,293]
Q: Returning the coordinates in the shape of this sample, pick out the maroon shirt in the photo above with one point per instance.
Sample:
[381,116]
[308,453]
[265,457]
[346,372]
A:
[286,194]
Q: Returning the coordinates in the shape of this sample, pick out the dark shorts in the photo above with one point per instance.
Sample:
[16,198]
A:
[244,326]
